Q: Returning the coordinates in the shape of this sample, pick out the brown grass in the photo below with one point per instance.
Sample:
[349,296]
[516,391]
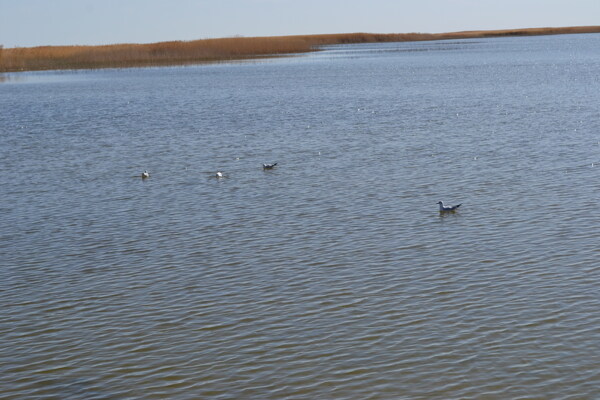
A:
[212,50]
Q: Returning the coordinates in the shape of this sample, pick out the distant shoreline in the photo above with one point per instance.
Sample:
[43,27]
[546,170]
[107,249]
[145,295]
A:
[225,49]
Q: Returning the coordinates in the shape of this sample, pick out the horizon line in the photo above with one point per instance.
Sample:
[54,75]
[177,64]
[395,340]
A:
[524,31]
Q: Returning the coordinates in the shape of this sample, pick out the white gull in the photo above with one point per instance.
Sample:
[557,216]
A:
[447,208]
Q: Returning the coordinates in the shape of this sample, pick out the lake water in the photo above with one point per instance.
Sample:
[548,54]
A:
[332,276]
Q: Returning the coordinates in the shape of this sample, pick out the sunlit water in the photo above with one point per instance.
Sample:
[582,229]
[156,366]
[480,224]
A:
[332,276]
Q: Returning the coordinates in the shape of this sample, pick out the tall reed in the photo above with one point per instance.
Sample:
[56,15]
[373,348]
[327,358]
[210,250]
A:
[212,50]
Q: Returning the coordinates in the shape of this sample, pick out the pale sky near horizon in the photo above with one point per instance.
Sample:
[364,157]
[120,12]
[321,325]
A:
[25,23]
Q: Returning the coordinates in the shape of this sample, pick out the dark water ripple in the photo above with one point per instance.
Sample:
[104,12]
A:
[331,276]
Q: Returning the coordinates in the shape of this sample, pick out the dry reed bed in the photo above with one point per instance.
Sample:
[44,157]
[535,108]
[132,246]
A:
[212,50]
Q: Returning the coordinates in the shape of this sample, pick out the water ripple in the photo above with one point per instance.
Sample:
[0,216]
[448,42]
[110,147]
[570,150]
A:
[331,276]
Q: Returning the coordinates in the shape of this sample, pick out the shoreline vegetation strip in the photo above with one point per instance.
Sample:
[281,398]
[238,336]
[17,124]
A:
[224,49]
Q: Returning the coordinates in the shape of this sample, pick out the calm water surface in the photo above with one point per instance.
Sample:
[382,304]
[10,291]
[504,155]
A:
[332,276]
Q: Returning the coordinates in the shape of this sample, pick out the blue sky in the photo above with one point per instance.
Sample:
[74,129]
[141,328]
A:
[66,22]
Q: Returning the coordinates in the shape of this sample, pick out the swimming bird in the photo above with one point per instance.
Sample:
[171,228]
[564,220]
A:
[444,208]
[145,175]
[219,174]
[269,166]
